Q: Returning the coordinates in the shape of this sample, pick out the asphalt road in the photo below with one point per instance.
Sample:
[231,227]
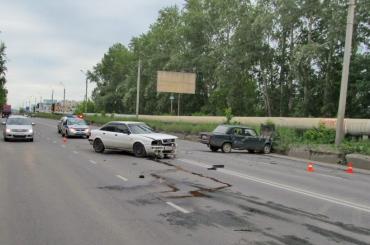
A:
[64,193]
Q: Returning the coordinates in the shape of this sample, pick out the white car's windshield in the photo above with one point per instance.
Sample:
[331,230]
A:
[76,121]
[18,121]
[140,129]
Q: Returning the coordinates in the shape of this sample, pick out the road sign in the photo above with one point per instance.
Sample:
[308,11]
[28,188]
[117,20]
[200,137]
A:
[176,82]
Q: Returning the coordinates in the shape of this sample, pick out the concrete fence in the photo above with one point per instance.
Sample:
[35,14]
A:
[355,127]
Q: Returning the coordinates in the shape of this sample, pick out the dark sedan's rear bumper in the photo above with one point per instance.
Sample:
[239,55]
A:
[204,139]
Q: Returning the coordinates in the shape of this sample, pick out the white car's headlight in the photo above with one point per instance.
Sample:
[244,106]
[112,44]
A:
[8,130]
[30,131]
[87,130]
[73,130]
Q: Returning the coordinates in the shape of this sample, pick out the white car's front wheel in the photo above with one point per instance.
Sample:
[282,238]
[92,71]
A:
[139,150]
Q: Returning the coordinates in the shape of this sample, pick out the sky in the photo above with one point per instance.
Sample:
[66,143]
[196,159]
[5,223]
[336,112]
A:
[49,42]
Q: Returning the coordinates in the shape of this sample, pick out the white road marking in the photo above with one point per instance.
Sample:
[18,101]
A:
[91,161]
[288,188]
[75,152]
[121,177]
[64,146]
[183,210]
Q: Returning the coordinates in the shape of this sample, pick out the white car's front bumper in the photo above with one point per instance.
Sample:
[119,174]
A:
[18,135]
[161,150]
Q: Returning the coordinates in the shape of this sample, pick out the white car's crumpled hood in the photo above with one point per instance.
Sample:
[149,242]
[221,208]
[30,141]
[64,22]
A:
[158,136]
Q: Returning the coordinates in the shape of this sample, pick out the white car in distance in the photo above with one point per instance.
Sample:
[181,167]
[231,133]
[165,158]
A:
[135,137]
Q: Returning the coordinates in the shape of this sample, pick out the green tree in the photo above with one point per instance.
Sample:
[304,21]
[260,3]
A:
[259,58]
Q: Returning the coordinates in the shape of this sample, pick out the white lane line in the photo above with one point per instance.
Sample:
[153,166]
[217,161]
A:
[75,152]
[121,177]
[293,189]
[91,161]
[183,210]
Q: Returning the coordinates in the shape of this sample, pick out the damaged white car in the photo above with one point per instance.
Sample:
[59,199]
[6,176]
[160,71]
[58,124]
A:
[135,137]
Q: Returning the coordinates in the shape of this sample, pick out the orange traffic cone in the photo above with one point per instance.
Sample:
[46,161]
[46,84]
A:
[349,168]
[310,167]
[64,140]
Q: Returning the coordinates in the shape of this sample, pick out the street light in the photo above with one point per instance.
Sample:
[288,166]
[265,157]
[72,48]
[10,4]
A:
[86,89]
[64,97]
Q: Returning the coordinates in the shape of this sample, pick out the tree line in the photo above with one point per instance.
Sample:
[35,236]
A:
[259,58]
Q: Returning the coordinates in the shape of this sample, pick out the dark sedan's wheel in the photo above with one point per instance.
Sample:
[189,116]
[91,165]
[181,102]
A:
[6,139]
[213,148]
[98,146]
[59,131]
[139,150]
[226,148]
[267,149]
[31,140]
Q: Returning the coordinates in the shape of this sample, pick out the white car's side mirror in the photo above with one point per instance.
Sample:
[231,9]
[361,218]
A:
[33,124]
[3,123]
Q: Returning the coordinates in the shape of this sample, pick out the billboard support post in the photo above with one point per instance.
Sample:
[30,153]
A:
[178,105]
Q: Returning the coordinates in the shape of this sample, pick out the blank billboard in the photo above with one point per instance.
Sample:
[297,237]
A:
[176,82]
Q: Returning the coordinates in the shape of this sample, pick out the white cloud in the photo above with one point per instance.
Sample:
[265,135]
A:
[50,41]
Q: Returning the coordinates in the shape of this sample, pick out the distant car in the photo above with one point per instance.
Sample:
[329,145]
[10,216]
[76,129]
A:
[228,137]
[135,137]
[62,120]
[72,126]
[18,128]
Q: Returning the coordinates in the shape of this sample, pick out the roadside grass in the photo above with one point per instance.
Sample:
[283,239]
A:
[320,138]
[171,127]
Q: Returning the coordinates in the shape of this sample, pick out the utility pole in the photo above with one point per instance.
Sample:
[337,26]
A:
[138,88]
[345,71]
[86,80]
[86,97]
[64,100]
[52,101]
[64,97]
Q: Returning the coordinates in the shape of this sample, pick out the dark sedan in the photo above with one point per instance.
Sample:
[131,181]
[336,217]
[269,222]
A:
[228,137]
